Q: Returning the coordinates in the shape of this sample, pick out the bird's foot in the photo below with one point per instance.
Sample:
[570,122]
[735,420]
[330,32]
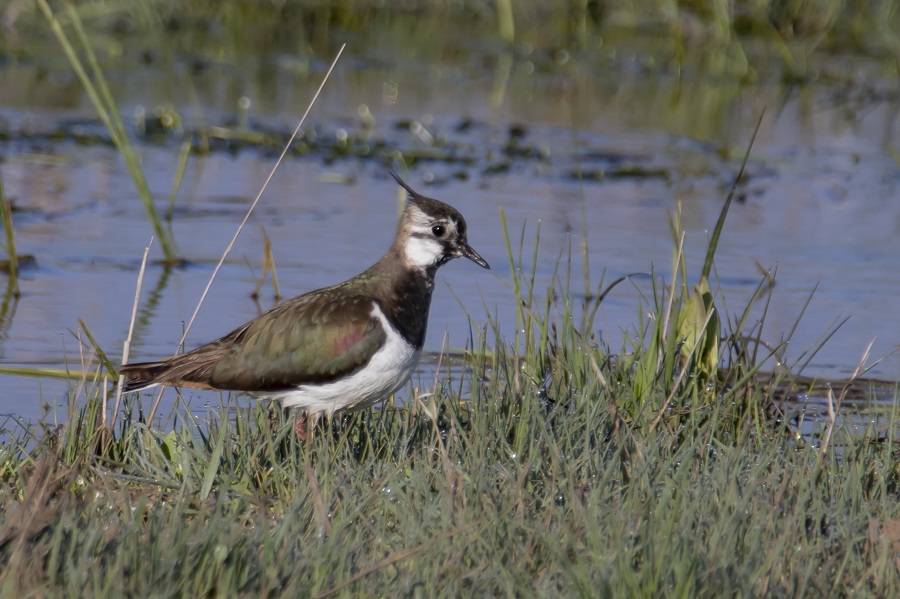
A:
[302,427]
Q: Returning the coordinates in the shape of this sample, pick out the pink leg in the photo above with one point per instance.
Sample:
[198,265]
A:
[305,426]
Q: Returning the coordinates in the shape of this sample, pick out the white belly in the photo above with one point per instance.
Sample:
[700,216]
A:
[386,373]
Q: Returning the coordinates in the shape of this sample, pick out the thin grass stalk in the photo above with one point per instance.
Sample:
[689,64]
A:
[180,169]
[212,467]
[602,293]
[739,385]
[860,370]
[542,322]
[261,191]
[720,223]
[6,217]
[105,106]
[737,338]
[762,320]
[821,341]
[506,21]
[83,381]
[516,280]
[126,347]
[240,228]
[534,260]
[124,145]
[51,373]
[104,359]
[677,267]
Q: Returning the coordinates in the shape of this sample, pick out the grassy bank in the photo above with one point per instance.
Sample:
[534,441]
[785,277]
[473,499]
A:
[556,470]
[508,497]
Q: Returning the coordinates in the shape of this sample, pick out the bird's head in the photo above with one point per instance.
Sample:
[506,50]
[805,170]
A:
[432,233]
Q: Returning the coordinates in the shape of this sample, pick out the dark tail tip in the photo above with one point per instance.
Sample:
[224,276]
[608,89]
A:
[141,375]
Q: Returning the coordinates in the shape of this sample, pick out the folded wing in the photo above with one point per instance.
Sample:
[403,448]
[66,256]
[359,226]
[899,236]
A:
[310,339]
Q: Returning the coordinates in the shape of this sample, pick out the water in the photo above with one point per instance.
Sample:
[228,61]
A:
[819,204]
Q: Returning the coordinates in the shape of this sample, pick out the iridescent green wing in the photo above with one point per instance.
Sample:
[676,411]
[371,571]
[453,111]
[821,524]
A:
[312,339]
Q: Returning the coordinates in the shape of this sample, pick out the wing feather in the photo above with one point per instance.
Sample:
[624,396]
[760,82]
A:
[310,339]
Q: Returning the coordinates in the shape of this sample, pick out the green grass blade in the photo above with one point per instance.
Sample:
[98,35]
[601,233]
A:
[720,223]
[212,468]
[179,177]
[6,217]
[107,363]
[105,106]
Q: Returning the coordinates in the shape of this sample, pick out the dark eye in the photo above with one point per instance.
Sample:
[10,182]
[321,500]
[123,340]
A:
[438,230]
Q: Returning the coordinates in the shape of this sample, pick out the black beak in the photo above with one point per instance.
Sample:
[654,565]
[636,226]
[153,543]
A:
[472,255]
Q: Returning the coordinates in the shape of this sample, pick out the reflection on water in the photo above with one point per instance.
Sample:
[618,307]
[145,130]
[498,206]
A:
[818,204]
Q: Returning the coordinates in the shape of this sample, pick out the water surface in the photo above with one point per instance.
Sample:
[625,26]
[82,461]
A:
[819,206]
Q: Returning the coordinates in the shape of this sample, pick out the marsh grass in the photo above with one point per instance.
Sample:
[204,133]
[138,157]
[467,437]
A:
[536,482]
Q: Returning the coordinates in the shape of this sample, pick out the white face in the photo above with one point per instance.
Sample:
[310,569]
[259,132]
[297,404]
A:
[423,246]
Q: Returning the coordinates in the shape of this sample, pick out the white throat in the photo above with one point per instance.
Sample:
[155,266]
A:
[421,252]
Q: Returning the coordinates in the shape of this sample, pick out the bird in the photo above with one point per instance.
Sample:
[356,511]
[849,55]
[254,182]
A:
[343,347]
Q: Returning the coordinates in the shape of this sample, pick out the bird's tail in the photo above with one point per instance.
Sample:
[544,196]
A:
[142,375]
[181,371]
